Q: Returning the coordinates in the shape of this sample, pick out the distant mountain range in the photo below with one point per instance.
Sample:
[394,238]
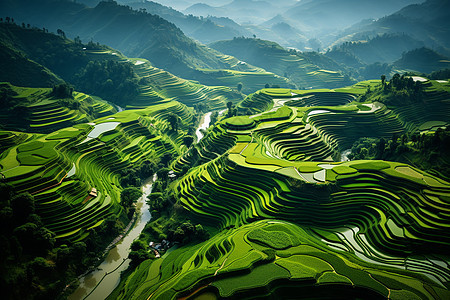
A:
[428,22]
[136,34]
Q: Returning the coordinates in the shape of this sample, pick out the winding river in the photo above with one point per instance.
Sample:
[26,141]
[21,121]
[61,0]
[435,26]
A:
[101,282]
[204,124]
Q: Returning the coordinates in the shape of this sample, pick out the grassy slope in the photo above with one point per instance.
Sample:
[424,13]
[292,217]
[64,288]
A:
[37,110]
[69,60]
[302,69]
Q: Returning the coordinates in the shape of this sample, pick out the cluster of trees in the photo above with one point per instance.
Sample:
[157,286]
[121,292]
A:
[128,197]
[174,121]
[232,110]
[110,79]
[62,90]
[32,260]
[442,74]
[170,221]
[400,90]
[427,151]
[133,176]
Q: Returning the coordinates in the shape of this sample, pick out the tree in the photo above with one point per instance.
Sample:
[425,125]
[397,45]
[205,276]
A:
[267,86]
[163,173]
[383,80]
[129,195]
[173,120]
[138,245]
[61,33]
[62,90]
[230,109]
[239,86]
[188,140]
[138,256]
[22,206]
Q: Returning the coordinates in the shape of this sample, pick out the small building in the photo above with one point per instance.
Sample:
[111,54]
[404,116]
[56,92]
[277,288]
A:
[157,255]
[93,192]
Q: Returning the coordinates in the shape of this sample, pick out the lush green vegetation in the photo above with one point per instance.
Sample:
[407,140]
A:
[46,110]
[303,69]
[308,185]
[285,217]
[60,169]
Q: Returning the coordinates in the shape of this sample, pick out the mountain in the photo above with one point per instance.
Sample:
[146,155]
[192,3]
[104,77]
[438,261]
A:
[136,34]
[102,71]
[241,11]
[205,30]
[304,69]
[139,34]
[423,60]
[384,48]
[202,9]
[428,22]
[326,15]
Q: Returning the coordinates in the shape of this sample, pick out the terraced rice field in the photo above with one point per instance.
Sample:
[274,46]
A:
[61,168]
[161,86]
[41,112]
[291,220]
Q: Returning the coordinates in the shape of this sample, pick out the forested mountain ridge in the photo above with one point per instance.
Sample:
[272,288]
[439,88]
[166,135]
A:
[136,34]
[139,34]
[100,70]
[427,22]
[305,69]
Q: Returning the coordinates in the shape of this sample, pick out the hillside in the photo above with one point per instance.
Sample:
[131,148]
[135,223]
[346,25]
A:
[385,48]
[303,69]
[46,110]
[140,35]
[57,226]
[205,30]
[325,15]
[32,74]
[427,22]
[136,34]
[423,60]
[102,71]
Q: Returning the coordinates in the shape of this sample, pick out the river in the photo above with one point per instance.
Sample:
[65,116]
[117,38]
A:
[345,154]
[204,124]
[101,282]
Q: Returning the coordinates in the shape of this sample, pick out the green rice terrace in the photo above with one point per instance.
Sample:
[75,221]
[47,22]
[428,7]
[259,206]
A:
[62,167]
[288,217]
[285,212]
[40,110]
